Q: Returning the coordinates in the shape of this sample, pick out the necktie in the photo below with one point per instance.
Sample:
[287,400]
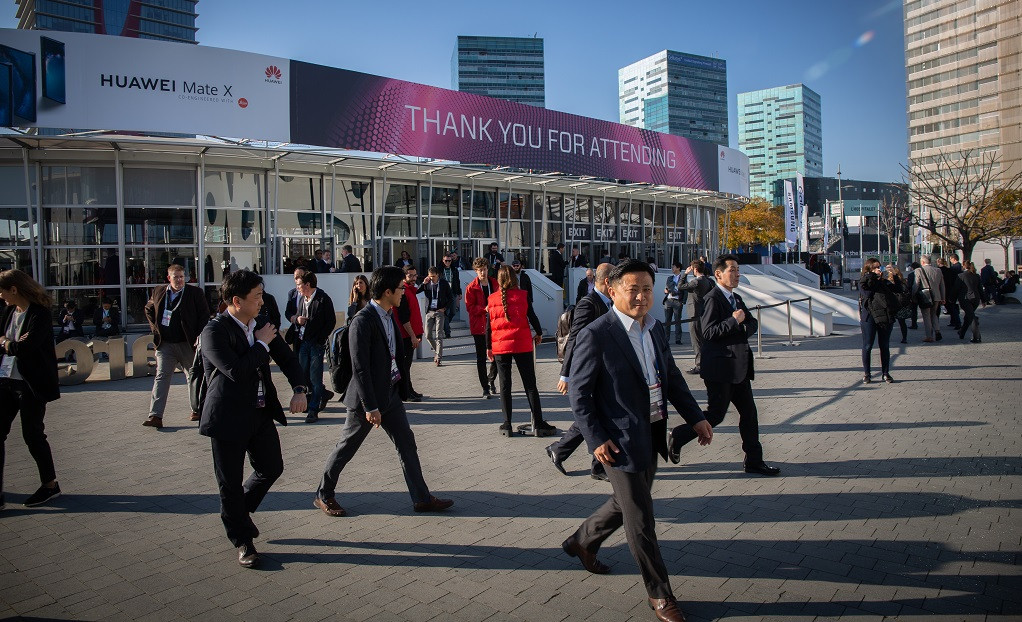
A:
[731,299]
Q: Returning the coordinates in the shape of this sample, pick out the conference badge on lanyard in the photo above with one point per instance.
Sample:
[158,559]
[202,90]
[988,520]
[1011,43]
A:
[395,375]
[656,403]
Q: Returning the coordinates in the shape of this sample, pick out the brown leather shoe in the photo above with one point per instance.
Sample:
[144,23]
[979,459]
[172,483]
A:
[330,507]
[572,547]
[195,417]
[433,505]
[666,609]
[153,422]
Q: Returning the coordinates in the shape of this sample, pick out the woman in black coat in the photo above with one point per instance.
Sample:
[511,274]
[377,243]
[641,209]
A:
[970,294]
[28,374]
[874,292]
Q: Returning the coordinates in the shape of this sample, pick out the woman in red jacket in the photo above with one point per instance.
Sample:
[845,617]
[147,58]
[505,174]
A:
[476,294]
[511,340]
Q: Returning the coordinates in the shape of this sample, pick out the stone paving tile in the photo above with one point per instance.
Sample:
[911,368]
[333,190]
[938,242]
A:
[895,501]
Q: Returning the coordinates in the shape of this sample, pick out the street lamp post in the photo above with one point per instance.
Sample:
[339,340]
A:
[844,228]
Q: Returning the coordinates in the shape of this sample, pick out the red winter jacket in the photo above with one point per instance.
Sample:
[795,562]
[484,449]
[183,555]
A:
[475,301]
[510,335]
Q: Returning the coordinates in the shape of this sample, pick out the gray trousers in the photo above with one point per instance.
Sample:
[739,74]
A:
[930,326]
[435,332]
[168,356]
[630,506]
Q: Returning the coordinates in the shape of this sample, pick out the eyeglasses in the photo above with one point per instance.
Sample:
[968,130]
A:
[447,261]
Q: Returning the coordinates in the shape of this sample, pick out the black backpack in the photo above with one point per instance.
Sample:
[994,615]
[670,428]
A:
[563,330]
[339,360]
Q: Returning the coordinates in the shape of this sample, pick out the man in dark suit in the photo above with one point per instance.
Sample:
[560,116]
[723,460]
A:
[578,260]
[310,328]
[988,278]
[241,404]
[622,377]
[450,271]
[372,395]
[556,263]
[438,299]
[698,288]
[726,366]
[586,285]
[349,262]
[269,312]
[176,315]
[107,319]
[495,259]
[589,308]
[674,302]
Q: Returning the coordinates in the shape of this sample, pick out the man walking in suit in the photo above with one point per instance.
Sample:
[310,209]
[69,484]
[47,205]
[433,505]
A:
[674,302]
[241,404]
[726,367]
[438,299]
[310,328]
[176,314]
[349,262]
[450,271]
[929,278]
[697,289]
[556,263]
[622,376]
[372,396]
[589,308]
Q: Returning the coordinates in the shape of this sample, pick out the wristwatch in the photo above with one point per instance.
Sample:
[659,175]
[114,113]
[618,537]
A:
[299,389]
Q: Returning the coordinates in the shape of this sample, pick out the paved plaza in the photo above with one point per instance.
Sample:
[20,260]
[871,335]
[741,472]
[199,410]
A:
[895,502]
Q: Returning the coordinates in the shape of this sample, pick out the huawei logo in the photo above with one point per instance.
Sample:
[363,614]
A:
[242,102]
[273,73]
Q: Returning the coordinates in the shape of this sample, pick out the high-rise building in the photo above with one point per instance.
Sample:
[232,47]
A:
[508,68]
[676,93]
[166,20]
[781,130]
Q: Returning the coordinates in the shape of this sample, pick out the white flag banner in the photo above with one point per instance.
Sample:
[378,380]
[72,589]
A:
[803,215]
[790,216]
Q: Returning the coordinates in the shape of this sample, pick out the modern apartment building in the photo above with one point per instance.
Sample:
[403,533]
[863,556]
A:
[508,68]
[781,130]
[166,20]
[676,93]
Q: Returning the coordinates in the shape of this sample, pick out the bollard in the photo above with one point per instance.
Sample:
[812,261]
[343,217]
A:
[810,316]
[787,303]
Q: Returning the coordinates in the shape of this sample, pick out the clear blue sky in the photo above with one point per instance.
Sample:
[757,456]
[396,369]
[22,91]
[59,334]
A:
[851,53]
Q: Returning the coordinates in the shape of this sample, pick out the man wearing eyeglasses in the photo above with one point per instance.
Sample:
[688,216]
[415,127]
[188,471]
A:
[450,272]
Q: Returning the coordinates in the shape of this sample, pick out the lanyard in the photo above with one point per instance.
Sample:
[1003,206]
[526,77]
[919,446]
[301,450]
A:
[177,303]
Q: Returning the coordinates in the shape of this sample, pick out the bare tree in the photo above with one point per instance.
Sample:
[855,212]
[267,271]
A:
[893,217]
[956,196]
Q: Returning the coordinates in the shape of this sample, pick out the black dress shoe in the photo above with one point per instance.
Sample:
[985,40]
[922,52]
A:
[762,469]
[674,449]
[866,379]
[553,458]
[327,396]
[600,475]
[694,371]
[542,428]
[247,555]
[975,341]
[506,430]
[887,378]
[589,561]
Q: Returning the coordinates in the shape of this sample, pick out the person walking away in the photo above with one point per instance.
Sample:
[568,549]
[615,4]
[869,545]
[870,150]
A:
[510,340]
[622,378]
[241,405]
[928,285]
[349,262]
[970,294]
[697,289]
[910,280]
[877,306]
[988,279]
[176,314]
[28,376]
[372,397]
[477,293]
[900,289]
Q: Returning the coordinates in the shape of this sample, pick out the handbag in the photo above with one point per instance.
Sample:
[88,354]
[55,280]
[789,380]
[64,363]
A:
[924,297]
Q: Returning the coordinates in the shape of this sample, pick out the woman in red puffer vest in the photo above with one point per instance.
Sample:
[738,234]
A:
[509,339]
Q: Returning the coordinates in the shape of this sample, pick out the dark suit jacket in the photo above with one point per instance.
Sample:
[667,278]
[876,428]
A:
[232,368]
[115,322]
[270,311]
[556,264]
[321,320]
[610,398]
[291,306]
[582,291]
[76,319]
[350,263]
[525,283]
[699,287]
[370,386]
[444,298]
[579,262]
[726,355]
[589,308]
[35,357]
[194,312]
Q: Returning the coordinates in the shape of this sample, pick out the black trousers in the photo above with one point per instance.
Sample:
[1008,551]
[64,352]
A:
[394,422]
[238,501]
[527,369]
[567,445]
[15,396]
[406,369]
[486,377]
[882,335]
[631,505]
[719,395]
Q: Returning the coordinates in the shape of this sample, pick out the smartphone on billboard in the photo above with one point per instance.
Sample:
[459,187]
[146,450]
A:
[22,81]
[6,95]
[52,53]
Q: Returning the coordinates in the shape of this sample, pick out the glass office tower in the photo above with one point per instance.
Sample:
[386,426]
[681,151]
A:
[781,130]
[165,20]
[676,93]
[508,68]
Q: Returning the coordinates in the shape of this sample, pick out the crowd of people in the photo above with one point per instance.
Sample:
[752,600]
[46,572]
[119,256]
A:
[618,371]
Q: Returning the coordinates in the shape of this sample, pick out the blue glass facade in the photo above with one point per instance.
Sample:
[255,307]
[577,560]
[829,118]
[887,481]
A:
[781,130]
[166,20]
[676,93]
[508,68]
